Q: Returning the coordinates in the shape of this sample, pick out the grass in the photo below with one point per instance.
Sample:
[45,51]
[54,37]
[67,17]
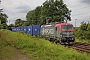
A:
[6,52]
[39,48]
[83,41]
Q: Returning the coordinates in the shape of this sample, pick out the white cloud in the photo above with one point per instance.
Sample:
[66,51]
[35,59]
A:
[80,11]
[18,9]
[86,1]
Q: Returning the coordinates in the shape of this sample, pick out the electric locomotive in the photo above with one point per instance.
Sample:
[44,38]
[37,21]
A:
[59,32]
[66,33]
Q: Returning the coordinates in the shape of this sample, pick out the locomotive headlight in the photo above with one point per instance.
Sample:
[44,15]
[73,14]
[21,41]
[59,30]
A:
[73,35]
[61,35]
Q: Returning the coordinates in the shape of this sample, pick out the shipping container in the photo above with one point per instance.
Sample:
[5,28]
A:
[36,29]
[29,30]
[25,29]
[14,29]
[17,29]
[21,28]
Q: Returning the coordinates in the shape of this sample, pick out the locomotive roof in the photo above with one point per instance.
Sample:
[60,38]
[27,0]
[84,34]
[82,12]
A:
[63,23]
[48,25]
[57,24]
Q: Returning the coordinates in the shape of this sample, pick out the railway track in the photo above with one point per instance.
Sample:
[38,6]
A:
[81,47]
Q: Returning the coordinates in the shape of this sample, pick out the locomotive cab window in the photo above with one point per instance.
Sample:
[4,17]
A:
[67,27]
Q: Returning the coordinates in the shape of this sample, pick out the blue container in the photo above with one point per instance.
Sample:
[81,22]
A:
[29,30]
[21,28]
[36,29]
[17,29]
[25,29]
[14,29]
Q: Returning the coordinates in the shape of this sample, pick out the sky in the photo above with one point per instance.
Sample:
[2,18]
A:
[19,8]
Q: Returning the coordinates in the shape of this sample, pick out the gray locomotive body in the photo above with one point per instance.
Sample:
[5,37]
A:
[55,33]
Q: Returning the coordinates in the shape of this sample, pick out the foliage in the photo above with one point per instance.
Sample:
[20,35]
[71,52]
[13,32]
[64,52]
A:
[6,51]
[39,48]
[11,25]
[88,28]
[19,23]
[83,41]
[3,19]
[1,26]
[29,16]
[53,11]
[4,26]
[83,32]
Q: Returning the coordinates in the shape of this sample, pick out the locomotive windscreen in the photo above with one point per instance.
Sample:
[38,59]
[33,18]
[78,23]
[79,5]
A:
[67,27]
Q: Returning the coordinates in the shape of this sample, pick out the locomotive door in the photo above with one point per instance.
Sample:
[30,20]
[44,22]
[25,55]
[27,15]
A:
[58,33]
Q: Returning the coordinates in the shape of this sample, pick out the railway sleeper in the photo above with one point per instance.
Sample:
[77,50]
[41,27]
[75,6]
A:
[84,47]
[87,51]
[83,50]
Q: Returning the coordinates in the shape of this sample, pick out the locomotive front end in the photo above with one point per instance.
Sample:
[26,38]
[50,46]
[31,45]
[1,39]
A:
[67,33]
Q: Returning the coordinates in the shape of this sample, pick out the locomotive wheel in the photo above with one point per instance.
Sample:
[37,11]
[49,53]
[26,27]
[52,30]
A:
[70,43]
[60,42]
[51,39]
[56,41]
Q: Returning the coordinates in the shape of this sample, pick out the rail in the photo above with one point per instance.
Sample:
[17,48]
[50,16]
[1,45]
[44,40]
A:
[82,47]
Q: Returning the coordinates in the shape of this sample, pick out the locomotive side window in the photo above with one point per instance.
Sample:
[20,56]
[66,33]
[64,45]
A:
[67,27]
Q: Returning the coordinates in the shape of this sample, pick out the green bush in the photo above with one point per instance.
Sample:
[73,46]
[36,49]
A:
[83,32]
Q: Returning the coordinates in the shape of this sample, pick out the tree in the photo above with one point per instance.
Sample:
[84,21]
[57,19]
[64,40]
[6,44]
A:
[30,17]
[52,10]
[3,19]
[83,26]
[37,15]
[84,31]
[0,1]
[19,23]
[11,25]
[57,10]
[88,28]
